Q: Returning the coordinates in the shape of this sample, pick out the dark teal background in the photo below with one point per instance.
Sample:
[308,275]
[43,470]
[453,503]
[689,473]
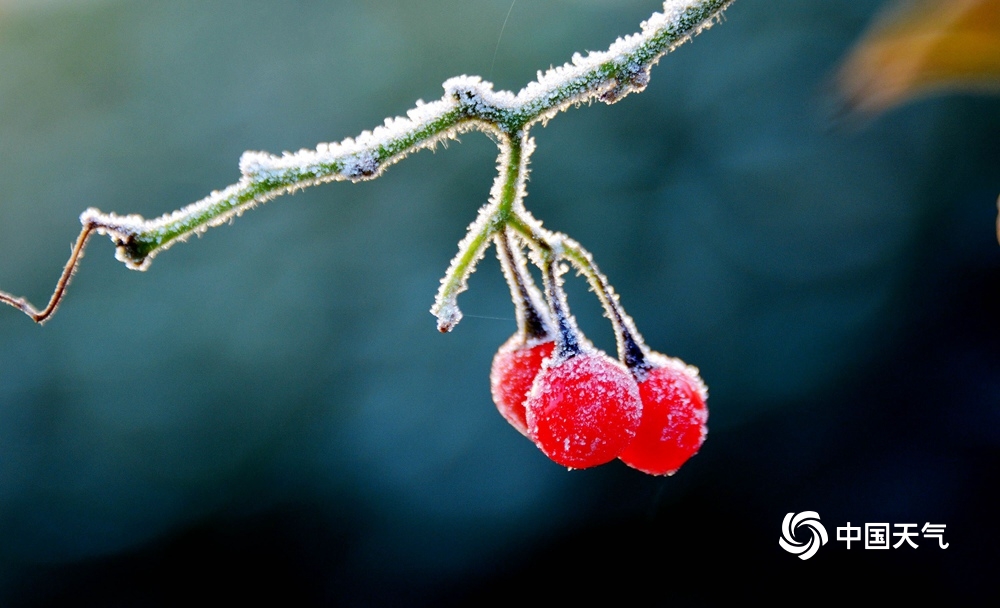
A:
[269,411]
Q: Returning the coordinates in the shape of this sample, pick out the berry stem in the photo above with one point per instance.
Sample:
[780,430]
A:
[532,324]
[568,338]
[632,349]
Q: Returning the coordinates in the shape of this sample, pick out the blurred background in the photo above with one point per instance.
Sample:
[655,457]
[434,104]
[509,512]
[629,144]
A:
[269,411]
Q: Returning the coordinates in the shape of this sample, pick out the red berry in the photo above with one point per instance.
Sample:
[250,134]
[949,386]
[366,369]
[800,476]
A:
[515,367]
[673,417]
[583,409]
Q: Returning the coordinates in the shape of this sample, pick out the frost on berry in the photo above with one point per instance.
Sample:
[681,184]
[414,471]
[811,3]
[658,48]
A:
[674,417]
[583,410]
[515,367]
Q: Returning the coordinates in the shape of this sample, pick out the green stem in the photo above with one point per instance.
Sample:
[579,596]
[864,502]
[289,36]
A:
[568,342]
[508,187]
[632,349]
[532,323]
[468,104]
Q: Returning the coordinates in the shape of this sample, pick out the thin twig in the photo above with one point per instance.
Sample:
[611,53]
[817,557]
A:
[40,316]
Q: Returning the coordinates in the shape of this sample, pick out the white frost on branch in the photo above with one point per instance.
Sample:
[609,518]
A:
[469,103]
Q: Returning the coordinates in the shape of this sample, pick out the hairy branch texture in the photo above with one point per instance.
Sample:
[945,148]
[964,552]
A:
[469,103]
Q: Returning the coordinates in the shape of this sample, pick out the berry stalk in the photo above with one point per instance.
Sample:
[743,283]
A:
[532,323]
[632,349]
[567,334]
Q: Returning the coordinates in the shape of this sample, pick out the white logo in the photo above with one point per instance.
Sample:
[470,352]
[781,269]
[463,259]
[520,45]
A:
[792,522]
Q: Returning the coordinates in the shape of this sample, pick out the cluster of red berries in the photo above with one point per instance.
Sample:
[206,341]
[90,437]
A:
[581,407]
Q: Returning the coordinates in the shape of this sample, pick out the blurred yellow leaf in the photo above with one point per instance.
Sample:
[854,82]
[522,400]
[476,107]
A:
[924,46]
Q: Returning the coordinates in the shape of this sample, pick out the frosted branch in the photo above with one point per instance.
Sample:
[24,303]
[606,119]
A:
[468,103]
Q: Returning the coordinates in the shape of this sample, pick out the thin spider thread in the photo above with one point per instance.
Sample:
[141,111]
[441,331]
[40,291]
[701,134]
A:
[493,63]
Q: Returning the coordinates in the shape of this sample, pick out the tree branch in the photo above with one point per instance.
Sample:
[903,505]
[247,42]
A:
[469,103]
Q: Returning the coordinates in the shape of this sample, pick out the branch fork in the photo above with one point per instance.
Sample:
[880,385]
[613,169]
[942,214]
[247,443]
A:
[469,103]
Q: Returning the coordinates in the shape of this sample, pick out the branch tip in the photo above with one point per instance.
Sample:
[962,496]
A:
[41,316]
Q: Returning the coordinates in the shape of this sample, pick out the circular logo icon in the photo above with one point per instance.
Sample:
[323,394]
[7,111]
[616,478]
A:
[809,521]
